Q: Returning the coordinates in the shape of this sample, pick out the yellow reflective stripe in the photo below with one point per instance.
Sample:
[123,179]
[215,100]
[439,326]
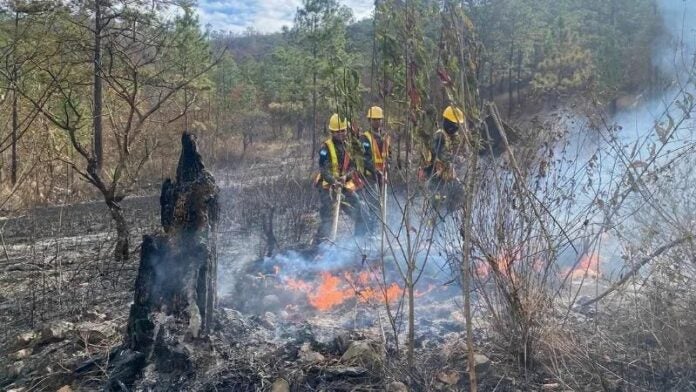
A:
[372,146]
[377,156]
[333,157]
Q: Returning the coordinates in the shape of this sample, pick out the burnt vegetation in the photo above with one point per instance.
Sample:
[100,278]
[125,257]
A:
[158,208]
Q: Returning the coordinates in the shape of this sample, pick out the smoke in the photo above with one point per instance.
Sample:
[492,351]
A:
[354,268]
[329,257]
[674,51]
[356,252]
[653,131]
[673,57]
[649,124]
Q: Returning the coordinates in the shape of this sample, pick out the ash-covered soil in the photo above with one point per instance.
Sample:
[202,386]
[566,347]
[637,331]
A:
[65,304]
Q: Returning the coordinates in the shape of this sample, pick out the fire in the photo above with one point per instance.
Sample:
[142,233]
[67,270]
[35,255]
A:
[587,268]
[334,290]
[503,264]
[298,285]
[392,293]
[425,292]
[328,294]
[508,264]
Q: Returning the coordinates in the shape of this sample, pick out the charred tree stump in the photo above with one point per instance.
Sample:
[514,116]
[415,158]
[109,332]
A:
[175,290]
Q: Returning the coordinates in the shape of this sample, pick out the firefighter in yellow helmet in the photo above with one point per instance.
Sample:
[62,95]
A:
[375,144]
[439,164]
[445,142]
[337,172]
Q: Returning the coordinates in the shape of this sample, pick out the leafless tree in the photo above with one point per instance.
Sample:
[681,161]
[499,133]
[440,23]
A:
[129,81]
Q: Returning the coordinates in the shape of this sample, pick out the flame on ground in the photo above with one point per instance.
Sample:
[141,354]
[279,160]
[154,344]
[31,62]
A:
[513,265]
[588,267]
[333,290]
[502,264]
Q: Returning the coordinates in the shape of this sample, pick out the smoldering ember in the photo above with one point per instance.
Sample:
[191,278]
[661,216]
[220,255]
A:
[330,195]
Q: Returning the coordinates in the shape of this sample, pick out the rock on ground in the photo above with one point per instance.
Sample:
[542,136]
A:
[363,353]
[280,385]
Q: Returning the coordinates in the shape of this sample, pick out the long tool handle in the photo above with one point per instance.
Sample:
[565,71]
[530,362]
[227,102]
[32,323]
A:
[383,196]
[383,205]
[337,212]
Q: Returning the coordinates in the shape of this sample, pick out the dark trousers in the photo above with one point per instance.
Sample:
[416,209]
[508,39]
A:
[350,204]
[446,196]
[371,197]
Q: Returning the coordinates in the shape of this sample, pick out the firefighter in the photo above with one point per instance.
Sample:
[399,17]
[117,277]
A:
[439,164]
[337,174]
[375,145]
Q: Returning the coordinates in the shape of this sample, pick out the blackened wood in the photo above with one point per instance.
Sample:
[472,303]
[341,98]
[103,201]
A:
[175,290]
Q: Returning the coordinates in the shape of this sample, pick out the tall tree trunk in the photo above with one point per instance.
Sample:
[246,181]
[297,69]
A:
[314,114]
[186,112]
[98,146]
[15,125]
[121,252]
[15,122]
[510,84]
[518,82]
[411,318]
[465,266]
[490,82]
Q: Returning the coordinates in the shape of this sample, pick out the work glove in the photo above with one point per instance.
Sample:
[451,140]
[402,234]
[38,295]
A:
[337,186]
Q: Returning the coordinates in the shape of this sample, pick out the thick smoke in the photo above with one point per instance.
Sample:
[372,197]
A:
[674,51]
[673,55]
[354,253]
[638,134]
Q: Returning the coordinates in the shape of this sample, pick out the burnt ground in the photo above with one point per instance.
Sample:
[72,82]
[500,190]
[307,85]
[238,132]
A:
[57,265]
[64,304]
[61,289]
[76,241]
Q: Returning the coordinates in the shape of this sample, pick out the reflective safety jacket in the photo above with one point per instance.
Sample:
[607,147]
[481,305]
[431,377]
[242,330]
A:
[376,153]
[334,162]
[438,158]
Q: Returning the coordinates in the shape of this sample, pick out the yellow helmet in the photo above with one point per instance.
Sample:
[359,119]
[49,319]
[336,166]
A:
[375,112]
[453,114]
[337,124]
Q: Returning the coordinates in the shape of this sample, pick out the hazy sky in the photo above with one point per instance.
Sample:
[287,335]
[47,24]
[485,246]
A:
[263,15]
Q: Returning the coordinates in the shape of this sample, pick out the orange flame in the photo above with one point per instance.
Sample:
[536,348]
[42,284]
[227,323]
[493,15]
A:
[328,294]
[333,291]
[502,264]
[587,268]
[425,292]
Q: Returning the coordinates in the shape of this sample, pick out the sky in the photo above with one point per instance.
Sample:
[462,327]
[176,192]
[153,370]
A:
[266,16]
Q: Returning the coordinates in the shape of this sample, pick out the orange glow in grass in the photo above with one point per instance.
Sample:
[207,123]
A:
[502,265]
[328,294]
[333,291]
[392,293]
[587,268]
